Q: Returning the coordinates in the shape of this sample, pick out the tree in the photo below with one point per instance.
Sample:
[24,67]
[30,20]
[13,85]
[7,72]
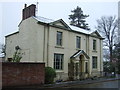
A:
[17,55]
[2,50]
[78,18]
[108,27]
[108,67]
[116,56]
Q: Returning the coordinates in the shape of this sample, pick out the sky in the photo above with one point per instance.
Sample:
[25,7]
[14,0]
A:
[11,12]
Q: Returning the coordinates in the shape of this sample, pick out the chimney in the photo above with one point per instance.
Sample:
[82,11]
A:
[25,5]
[28,11]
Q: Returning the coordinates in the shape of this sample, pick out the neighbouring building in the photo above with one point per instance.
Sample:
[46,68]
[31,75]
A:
[73,52]
[2,59]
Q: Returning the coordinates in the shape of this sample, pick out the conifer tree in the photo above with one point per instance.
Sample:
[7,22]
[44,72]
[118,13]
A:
[78,18]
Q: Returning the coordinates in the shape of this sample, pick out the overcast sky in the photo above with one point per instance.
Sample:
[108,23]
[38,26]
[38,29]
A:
[12,12]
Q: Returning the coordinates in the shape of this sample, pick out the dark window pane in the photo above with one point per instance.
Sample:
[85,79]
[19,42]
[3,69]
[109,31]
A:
[94,62]
[59,38]
[94,44]
[78,40]
[86,67]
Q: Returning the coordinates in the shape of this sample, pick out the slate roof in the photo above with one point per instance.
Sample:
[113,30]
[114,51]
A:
[66,26]
[80,30]
[43,19]
[73,28]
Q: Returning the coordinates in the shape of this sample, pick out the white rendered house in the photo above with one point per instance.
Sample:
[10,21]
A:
[71,51]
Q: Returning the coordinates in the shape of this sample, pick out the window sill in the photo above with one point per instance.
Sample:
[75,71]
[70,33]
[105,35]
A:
[94,51]
[94,69]
[59,47]
[77,49]
[59,71]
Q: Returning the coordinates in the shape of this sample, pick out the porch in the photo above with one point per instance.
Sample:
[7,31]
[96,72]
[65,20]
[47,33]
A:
[78,66]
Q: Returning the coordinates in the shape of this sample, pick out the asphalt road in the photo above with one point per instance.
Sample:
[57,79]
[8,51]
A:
[112,84]
[106,84]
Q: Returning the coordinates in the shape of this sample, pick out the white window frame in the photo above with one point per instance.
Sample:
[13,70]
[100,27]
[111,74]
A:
[59,62]
[94,62]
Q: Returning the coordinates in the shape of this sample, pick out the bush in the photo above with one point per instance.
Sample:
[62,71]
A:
[50,74]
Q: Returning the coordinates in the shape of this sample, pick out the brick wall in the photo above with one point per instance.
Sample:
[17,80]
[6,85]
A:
[18,74]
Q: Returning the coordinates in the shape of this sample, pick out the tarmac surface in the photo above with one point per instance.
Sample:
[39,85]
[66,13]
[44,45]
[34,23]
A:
[63,84]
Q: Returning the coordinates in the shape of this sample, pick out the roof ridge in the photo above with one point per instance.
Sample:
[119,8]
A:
[45,18]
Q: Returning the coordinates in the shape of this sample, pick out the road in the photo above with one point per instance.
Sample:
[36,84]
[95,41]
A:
[102,85]
[106,84]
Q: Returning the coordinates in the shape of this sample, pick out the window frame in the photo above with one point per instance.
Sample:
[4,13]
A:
[58,64]
[94,44]
[94,62]
[59,38]
[78,42]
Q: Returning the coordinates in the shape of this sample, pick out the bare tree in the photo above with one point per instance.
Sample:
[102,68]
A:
[2,49]
[108,26]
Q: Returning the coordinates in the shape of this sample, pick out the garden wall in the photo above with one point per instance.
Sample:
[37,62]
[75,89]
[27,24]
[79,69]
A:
[23,73]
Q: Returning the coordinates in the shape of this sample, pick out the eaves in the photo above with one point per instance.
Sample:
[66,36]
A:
[12,34]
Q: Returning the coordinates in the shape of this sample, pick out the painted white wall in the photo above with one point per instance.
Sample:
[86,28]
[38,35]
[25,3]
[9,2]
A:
[38,44]
[11,41]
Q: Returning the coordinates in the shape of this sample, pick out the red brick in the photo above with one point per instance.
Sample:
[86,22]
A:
[17,74]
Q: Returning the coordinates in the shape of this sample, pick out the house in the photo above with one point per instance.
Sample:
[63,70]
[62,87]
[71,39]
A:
[73,52]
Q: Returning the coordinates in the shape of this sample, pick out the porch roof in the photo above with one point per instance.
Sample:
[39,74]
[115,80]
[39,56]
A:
[78,53]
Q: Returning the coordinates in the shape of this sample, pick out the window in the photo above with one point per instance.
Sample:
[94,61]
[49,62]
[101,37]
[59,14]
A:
[94,44]
[58,61]
[86,67]
[94,62]
[78,40]
[59,38]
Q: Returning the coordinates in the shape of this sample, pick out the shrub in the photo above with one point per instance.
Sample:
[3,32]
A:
[50,74]
[17,56]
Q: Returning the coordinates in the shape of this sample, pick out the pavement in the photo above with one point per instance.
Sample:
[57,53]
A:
[82,82]
[63,84]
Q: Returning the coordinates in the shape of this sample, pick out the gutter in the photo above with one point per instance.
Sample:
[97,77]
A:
[12,34]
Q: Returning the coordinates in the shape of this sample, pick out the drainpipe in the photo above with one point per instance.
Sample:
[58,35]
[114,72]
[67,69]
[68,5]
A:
[44,45]
[100,58]
[88,55]
[86,44]
[48,45]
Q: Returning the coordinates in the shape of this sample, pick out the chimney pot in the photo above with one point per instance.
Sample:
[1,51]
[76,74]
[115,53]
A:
[25,5]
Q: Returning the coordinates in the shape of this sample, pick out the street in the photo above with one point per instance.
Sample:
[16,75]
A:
[107,84]
[104,85]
